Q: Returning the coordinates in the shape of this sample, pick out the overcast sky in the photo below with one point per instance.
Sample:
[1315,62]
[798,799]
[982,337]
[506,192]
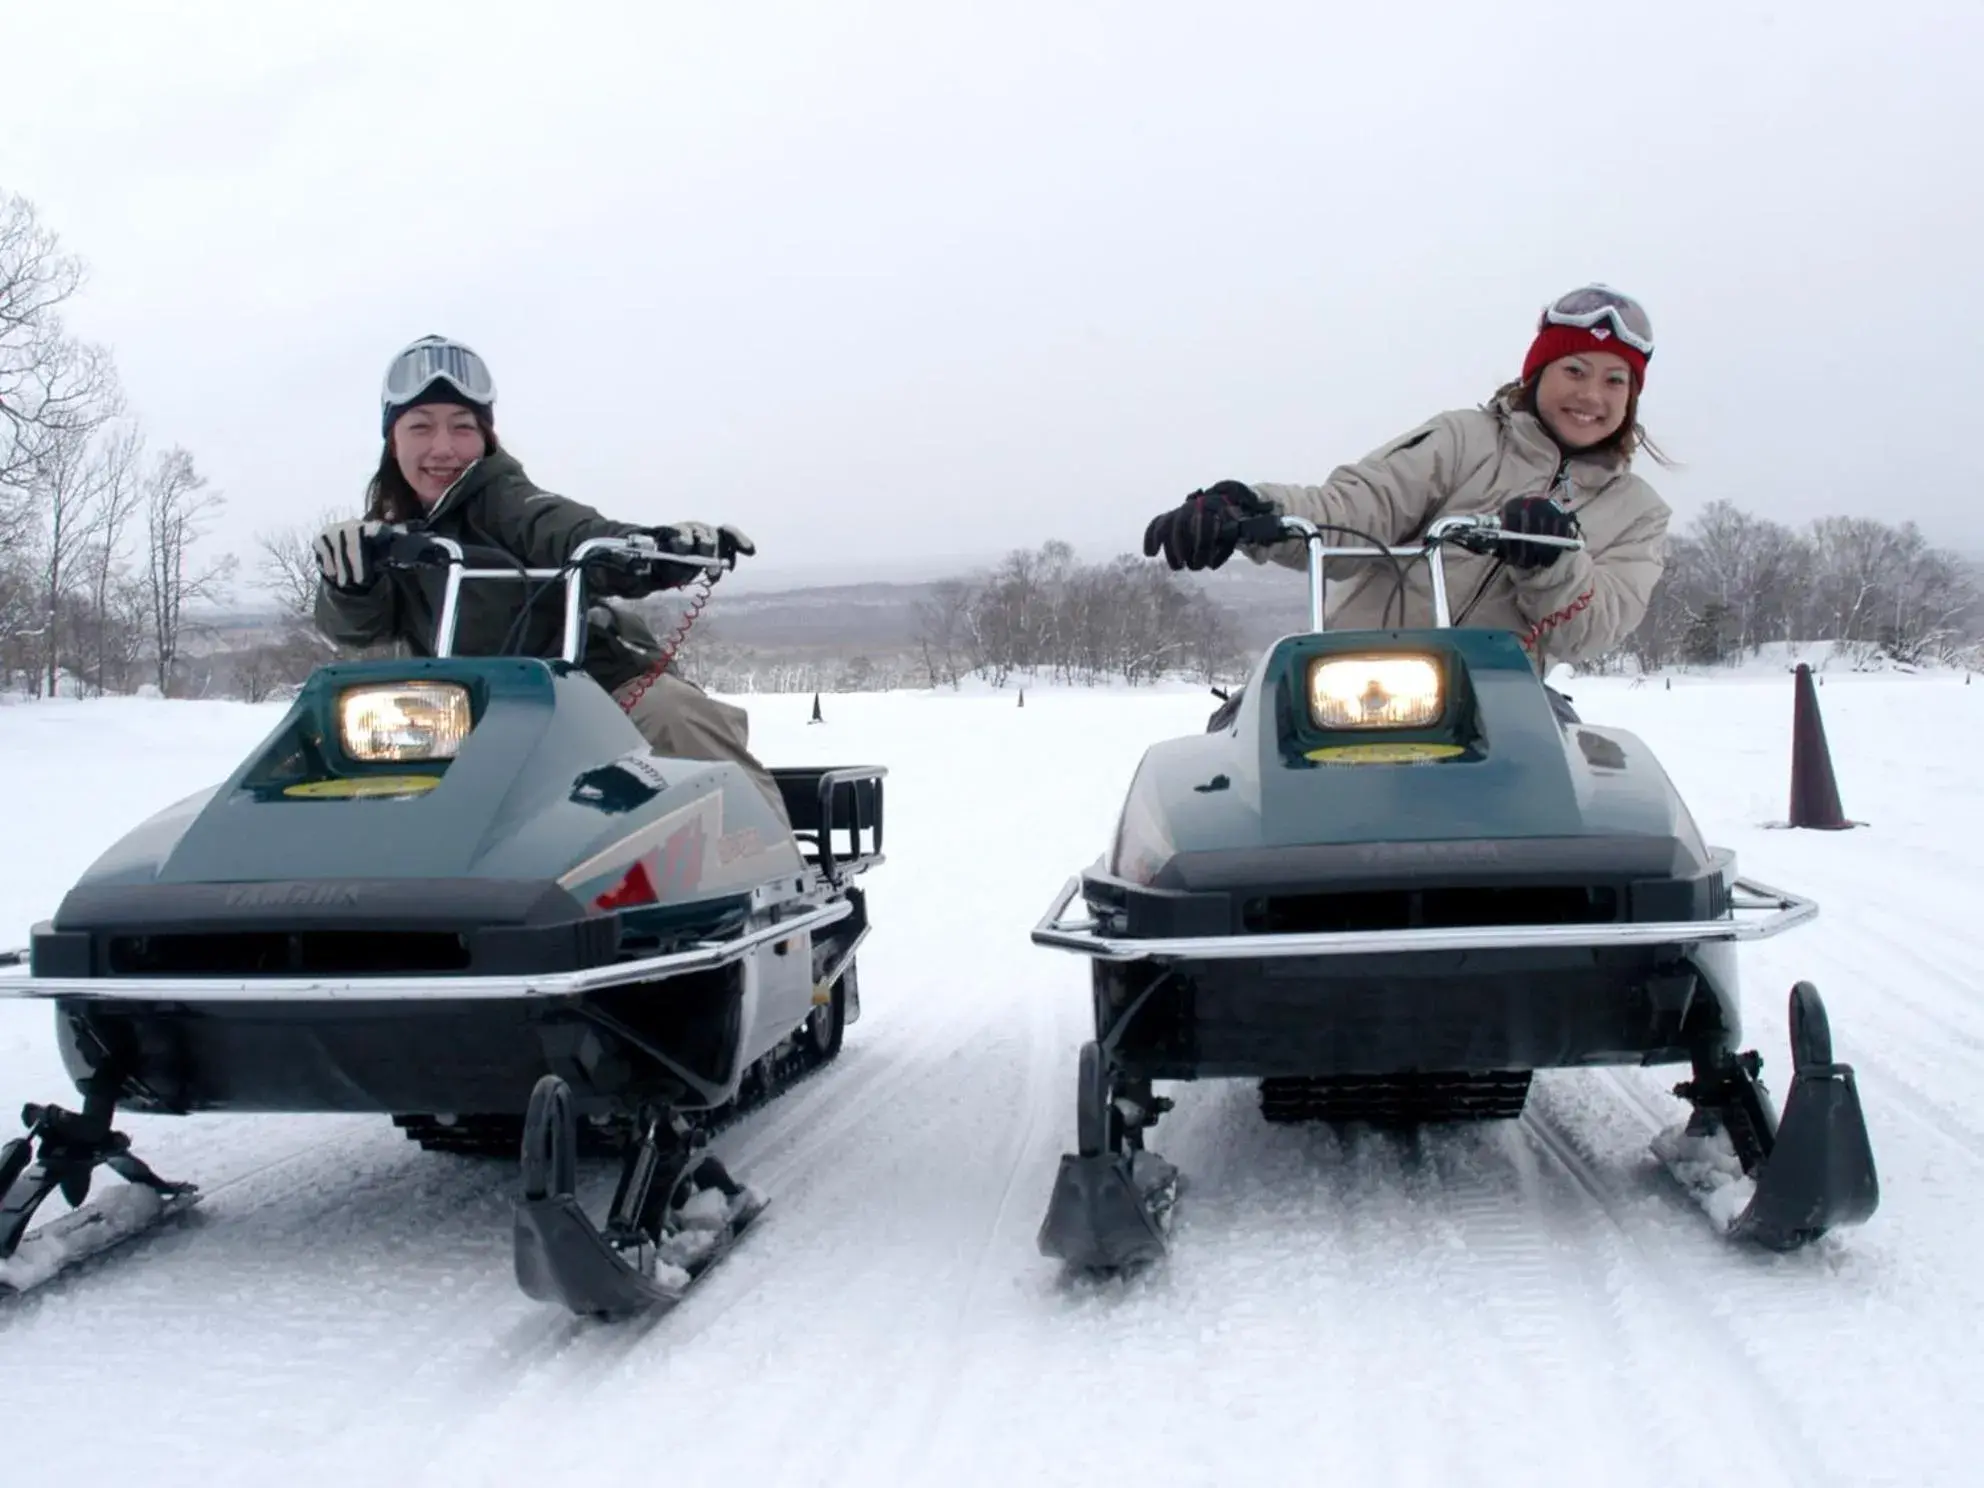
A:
[891,280]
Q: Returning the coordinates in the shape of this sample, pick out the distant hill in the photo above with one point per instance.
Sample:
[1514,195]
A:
[873,618]
[869,617]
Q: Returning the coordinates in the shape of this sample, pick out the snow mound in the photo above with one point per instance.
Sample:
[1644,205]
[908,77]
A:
[1706,1166]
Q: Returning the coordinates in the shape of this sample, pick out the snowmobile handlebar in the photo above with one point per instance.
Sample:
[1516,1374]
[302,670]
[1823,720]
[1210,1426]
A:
[639,556]
[1475,534]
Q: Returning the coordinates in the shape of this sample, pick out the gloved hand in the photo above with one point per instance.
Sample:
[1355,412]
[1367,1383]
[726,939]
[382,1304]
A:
[1203,530]
[700,540]
[340,554]
[1542,517]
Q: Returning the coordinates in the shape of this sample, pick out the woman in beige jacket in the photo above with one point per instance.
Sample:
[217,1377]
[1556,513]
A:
[1550,454]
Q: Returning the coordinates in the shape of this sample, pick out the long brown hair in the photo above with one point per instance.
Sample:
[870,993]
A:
[1628,439]
[388,498]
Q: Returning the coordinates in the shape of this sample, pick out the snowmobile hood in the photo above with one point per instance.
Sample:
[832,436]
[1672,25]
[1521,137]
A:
[1494,782]
[552,788]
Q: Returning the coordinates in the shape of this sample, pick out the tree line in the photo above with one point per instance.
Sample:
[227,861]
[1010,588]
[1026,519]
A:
[1732,584]
[97,529]
[1044,613]
[1736,582]
[1038,614]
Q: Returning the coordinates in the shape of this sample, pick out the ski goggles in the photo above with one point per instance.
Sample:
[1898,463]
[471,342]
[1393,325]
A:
[434,359]
[1586,308]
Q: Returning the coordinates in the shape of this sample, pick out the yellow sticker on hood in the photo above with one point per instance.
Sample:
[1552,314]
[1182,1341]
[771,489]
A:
[1394,753]
[362,787]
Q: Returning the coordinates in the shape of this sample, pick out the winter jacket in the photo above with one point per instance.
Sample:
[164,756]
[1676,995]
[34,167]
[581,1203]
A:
[493,504]
[1470,462]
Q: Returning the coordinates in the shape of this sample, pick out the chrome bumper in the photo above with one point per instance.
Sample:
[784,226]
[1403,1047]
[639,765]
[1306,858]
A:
[704,956]
[1776,912]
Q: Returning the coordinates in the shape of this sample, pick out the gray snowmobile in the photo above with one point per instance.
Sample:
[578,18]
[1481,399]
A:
[464,893]
[1395,880]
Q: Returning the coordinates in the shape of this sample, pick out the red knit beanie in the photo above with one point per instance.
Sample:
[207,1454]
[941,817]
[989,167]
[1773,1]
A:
[1555,341]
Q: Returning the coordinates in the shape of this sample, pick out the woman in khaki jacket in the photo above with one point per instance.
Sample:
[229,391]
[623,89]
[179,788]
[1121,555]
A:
[1550,454]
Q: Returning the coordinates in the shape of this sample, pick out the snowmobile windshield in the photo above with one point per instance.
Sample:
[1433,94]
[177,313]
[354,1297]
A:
[431,359]
[1586,307]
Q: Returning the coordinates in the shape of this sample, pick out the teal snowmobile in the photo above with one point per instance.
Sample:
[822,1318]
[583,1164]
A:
[461,892]
[1392,880]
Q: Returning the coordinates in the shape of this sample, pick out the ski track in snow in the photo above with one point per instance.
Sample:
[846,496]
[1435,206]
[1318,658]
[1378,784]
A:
[1530,1302]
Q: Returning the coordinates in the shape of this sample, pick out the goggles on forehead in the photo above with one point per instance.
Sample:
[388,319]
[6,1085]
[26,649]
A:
[1586,308]
[434,359]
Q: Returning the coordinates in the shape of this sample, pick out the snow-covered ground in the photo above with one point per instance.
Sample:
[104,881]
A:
[1531,1303]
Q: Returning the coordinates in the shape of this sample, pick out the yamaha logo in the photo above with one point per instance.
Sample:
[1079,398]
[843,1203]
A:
[291,896]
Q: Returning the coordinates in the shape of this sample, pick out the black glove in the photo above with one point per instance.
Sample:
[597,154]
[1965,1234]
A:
[1539,516]
[1203,530]
[700,540]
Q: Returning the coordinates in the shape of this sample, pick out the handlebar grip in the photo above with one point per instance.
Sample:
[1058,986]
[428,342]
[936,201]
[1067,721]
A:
[1262,529]
[397,548]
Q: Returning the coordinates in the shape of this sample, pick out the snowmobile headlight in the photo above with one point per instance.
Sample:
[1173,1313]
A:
[1375,692]
[404,721]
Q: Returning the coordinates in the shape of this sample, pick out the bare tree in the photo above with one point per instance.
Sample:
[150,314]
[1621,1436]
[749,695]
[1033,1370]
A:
[76,477]
[110,601]
[50,383]
[1748,566]
[174,509]
[942,632]
[287,570]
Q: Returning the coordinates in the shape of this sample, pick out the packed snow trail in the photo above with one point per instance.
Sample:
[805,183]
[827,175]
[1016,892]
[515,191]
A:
[1529,1302]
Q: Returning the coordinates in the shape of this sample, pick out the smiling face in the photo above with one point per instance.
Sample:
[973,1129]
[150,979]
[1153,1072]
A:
[1583,400]
[434,444]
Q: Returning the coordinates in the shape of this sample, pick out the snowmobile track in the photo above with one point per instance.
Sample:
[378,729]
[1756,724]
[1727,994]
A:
[1725,1381]
[1897,1092]
[202,1215]
[763,1147]
[1028,1138]
[1903,1030]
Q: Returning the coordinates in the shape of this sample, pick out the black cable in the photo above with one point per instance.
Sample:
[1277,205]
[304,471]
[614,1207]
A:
[569,567]
[1480,589]
[1384,551]
[534,589]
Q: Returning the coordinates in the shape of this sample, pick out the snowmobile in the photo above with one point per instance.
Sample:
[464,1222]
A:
[464,893]
[1392,880]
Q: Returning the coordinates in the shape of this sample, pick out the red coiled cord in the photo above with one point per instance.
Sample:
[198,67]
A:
[1551,622]
[672,645]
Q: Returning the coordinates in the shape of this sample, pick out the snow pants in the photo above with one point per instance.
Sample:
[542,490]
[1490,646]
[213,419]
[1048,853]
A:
[681,721]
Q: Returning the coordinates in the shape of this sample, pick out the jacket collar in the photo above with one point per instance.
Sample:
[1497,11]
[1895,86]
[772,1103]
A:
[474,477]
[1528,431]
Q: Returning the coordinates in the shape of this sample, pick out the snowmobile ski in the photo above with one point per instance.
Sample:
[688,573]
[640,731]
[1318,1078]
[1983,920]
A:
[672,1218]
[1111,1206]
[1809,1172]
[60,1153]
